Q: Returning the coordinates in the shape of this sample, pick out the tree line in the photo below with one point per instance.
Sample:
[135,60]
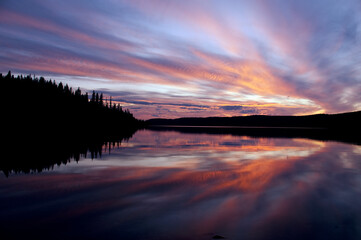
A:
[38,106]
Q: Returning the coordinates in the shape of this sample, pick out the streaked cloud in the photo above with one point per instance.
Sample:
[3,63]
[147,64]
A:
[191,58]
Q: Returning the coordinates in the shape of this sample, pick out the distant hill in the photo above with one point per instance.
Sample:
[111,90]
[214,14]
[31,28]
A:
[351,120]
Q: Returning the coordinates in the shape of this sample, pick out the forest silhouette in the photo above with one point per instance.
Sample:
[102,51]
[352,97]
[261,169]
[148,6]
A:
[47,123]
[45,107]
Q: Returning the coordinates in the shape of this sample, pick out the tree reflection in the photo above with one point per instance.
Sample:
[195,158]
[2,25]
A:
[29,155]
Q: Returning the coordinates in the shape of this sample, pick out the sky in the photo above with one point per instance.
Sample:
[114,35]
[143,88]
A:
[192,58]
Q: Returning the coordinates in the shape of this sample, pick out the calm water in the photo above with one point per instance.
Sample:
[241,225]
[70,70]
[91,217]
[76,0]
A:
[171,185]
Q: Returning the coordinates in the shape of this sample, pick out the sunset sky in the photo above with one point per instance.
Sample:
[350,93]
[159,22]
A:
[193,58]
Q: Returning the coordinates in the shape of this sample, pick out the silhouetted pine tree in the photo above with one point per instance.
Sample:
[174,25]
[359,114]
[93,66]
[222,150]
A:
[101,99]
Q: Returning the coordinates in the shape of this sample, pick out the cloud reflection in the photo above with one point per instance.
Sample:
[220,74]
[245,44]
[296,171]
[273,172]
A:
[163,185]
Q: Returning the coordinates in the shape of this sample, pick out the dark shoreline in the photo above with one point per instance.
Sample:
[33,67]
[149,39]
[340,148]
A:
[340,121]
[350,136]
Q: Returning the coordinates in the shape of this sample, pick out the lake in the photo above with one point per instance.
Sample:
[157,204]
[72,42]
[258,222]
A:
[174,185]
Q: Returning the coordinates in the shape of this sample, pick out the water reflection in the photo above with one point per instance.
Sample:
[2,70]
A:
[168,185]
[34,155]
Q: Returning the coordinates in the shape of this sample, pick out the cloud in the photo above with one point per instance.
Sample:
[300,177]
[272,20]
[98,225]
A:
[240,109]
[287,57]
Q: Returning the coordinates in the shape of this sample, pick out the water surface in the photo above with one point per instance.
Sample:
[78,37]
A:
[172,185]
